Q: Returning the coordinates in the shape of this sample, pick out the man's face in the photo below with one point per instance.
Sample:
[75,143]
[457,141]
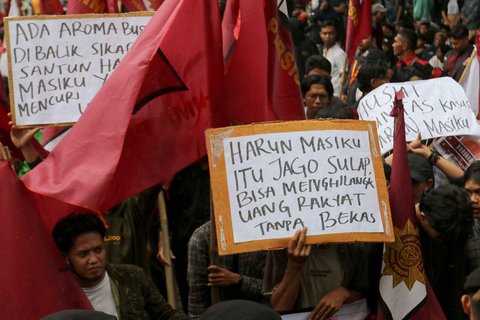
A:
[473,189]
[328,34]
[459,44]
[87,259]
[398,45]
[423,29]
[315,99]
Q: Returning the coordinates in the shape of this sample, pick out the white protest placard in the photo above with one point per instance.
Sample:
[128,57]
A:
[436,108]
[58,63]
[269,180]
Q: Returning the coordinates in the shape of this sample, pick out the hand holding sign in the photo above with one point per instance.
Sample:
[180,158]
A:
[298,251]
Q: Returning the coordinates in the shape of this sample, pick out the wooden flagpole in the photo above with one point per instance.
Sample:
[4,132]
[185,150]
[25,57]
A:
[171,297]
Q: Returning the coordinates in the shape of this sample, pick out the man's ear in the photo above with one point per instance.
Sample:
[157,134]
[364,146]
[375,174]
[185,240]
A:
[421,215]
[66,260]
[429,183]
[466,303]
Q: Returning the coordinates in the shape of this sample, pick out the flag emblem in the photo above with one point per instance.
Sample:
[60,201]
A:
[403,258]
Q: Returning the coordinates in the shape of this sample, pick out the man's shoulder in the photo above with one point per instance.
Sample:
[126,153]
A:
[337,49]
[116,271]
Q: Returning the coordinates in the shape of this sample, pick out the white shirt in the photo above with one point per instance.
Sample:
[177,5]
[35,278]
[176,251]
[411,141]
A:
[101,297]
[337,58]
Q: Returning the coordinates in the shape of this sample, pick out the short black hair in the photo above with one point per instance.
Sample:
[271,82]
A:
[328,23]
[318,61]
[336,109]
[369,71]
[473,172]
[70,227]
[449,211]
[317,79]
[444,48]
[410,37]
[425,23]
[458,32]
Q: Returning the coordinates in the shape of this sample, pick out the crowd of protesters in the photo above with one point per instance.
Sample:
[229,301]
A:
[410,40]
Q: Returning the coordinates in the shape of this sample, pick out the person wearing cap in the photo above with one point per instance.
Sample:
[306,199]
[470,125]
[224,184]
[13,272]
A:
[471,299]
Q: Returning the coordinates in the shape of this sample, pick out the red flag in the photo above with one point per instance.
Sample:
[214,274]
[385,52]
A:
[134,5]
[261,78]
[359,25]
[404,289]
[92,6]
[51,7]
[33,278]
[149,117]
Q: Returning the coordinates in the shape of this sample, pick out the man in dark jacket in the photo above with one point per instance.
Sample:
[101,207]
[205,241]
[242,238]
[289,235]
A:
[123,291]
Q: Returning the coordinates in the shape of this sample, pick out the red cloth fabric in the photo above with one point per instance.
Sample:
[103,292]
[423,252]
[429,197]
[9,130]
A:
[421,303]
[5,134]
[261,75]
[51,7]
[409,60]
[34,280]
[359,25]
[148,118]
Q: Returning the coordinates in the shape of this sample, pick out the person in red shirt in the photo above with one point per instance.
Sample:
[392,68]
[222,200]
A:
[404,46]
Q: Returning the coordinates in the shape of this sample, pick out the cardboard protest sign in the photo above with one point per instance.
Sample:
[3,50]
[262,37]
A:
[58,63]
[436,108]
[269,180]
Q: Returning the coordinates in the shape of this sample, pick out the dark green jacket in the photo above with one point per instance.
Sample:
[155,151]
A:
[136,297]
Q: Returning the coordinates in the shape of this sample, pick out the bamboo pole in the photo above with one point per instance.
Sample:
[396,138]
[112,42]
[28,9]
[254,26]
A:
[170,281]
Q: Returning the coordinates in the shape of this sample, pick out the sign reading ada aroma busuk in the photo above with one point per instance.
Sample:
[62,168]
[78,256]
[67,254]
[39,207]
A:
[58,63]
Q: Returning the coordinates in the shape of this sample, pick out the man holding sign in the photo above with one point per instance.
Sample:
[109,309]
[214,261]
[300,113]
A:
[321,276]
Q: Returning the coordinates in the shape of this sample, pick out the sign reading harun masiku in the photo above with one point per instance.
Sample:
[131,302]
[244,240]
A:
[271,179]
